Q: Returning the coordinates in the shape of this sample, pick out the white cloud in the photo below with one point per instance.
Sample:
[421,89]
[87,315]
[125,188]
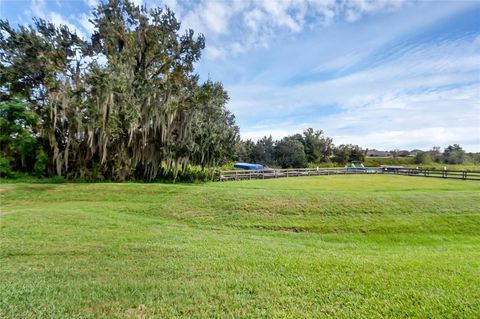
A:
[174,6]
[37,8]
[216,17]
[209,17]
[278,12]
[253,18]
[92,3]
[396,121]
[214,53]
[256,23]
[85,23]
[422,67]
[356,8]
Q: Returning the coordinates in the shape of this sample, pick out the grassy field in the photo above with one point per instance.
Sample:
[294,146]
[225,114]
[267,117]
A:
[313,247]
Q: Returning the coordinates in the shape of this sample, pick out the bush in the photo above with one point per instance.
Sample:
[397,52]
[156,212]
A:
[41,161]
[5,169]
[193,174]
[455,157]
[423,158]
[290,153]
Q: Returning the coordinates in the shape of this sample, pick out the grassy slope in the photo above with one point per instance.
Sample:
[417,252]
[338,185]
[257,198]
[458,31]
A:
[328,246]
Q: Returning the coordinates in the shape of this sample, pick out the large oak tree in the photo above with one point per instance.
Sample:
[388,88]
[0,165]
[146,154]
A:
[125,103]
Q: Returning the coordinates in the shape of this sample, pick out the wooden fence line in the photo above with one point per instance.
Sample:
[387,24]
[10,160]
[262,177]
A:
[425,172]
[295,172]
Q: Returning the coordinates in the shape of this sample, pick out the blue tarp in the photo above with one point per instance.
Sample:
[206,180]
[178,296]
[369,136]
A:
[248,166]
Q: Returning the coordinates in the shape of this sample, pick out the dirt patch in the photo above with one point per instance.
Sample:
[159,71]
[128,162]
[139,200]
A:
[283,229]
[140,312]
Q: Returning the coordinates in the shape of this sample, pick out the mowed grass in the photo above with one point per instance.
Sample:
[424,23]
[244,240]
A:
[313,247]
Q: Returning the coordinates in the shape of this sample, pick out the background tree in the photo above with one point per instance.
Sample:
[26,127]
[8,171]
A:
[435,154]
[317,148]
[18,141]
[43,64]
[214,127]
[341,154]
[289,152]
[357,153]
[454,154]
[422,158]
[344,154]
[474,157]
[244,151]
[263,152]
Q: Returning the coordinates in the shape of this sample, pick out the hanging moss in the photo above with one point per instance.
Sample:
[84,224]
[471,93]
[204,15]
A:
[124,104]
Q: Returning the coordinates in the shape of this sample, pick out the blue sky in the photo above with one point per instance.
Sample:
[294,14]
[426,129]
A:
[381,74]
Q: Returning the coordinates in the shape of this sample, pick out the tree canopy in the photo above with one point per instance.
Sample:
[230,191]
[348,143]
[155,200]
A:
[125,103]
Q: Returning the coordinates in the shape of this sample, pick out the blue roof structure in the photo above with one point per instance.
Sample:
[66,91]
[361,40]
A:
[248,166]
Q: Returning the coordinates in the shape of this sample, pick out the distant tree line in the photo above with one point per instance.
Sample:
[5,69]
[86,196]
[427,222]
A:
[312,147]
[297,150]
[453,154]
[123,104]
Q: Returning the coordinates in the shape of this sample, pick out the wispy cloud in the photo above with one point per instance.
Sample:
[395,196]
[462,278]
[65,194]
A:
[241,25]
[84,20]
[428,95]
[92,3]
[40,8]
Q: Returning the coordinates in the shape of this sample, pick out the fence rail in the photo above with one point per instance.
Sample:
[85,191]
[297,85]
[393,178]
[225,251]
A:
[291,172]
[295,172]
[438,173]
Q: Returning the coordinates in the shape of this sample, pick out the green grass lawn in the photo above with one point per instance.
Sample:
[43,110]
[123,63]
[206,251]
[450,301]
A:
[327,246]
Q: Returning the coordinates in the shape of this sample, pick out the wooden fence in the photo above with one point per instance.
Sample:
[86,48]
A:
[290,172]
[438,173]
[295,172]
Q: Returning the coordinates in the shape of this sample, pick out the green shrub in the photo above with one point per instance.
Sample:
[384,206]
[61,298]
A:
[289,153]
[192,174]
[195,174]
[41,161]
[5,168]
[423,158]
